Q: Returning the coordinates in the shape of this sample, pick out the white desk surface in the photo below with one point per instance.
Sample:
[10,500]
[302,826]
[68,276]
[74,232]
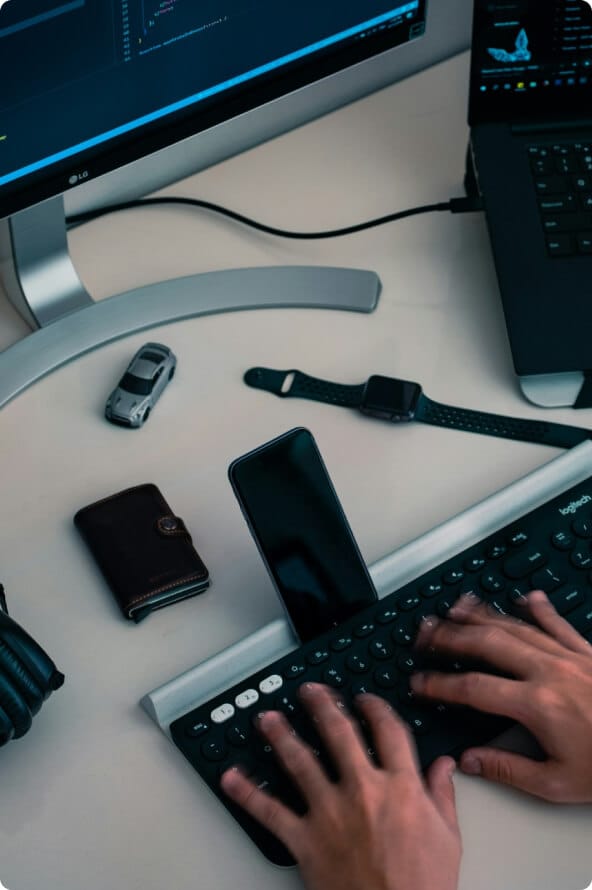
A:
[95,795]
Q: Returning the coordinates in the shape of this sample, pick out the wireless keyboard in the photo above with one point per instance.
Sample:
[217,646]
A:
[549,547]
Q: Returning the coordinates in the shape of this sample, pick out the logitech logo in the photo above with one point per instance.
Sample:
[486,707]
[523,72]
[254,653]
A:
[573,507]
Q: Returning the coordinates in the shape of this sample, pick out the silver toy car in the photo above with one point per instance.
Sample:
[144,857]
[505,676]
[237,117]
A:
[141,386]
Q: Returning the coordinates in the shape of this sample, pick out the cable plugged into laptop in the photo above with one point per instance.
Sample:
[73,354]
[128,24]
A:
[466,205]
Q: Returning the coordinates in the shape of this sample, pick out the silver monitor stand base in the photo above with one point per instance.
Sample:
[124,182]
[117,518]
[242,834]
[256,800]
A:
[552,390]
[41,282]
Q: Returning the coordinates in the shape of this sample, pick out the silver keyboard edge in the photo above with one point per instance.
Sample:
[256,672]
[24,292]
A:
[274,640]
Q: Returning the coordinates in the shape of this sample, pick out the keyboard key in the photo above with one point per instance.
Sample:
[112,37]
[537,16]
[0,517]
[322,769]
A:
[582,528]
[385,677]
[194,730]
[222,713]
[293,670]
[547,579]
[335,678]
[582,620]
[581,559]
[562,540]
[247,698]
[287,705]
[407,603]
[560,245]
[380,650]
[214,751]
[318,656]
[567,599]
[358,664]
[552,185]
[386,616]
[406,663]
[475,564]
[340,643]
[402,636]
[492,582]
[517,593]
[363,630]
[454,576]
[584,242]
[271,684]
[518,539]
[430,590]
[524,563]
[496,551]
[237,736]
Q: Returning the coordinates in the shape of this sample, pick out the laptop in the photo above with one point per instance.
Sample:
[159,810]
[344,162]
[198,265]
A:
[530,113]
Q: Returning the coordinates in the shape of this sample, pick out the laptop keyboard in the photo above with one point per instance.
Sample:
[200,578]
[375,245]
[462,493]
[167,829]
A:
[548,548]
[563,182]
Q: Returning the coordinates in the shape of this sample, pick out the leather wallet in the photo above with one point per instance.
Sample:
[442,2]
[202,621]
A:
[144,551]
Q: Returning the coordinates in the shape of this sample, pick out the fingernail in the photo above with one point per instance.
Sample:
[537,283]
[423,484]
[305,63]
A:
[309,689]
[471,765]
[417,682]
[467,601]
[537,596]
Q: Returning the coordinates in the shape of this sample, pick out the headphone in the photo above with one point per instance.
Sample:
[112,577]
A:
[28,676]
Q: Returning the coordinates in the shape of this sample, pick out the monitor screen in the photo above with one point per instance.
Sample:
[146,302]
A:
[532,59]
[89,85]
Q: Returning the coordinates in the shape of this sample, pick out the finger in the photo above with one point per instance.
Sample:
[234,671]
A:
[340,734]
[472,611]
[295,756]
[494,695]
[267,810]
[440,785]
[392,738]
[491,642]
[543,611]
[534,777]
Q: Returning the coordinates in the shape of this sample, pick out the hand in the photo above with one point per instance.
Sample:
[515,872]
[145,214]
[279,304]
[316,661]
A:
[550,693]
[378,827]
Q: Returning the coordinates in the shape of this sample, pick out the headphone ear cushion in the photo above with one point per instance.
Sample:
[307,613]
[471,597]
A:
[21,679]
[6,728]
[27,678]
[35,661]
[15,707]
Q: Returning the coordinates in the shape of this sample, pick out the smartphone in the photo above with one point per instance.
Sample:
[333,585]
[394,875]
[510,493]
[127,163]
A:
[299,526]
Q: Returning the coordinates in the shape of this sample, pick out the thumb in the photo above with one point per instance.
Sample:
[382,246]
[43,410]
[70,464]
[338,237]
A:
[508,768]
[439,782]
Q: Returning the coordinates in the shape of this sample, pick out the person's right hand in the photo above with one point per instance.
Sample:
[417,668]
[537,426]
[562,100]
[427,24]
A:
[549,692]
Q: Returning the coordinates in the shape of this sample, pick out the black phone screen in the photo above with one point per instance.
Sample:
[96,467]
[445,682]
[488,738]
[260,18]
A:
[302,533]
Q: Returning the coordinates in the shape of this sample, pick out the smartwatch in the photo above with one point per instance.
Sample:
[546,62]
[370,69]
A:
[401,401]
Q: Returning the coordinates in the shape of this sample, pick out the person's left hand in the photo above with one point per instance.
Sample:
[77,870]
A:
[377,827]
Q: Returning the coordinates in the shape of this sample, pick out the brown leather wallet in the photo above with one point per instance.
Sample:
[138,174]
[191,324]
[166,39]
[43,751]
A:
[144,551]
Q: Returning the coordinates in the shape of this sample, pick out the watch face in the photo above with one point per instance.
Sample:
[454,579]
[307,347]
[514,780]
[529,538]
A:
[391,399]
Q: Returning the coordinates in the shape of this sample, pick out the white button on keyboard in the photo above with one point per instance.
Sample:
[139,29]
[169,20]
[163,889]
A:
[247,698]
[271,684]
[224,712]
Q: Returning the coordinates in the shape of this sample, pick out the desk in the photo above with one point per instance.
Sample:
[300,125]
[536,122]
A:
[95,795]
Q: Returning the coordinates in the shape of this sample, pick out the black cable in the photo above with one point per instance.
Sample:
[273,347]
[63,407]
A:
[455,205]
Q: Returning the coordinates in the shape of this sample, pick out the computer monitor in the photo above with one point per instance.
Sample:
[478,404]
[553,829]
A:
[104,100]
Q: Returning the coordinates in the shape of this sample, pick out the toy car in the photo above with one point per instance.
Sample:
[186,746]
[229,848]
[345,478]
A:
[141,386]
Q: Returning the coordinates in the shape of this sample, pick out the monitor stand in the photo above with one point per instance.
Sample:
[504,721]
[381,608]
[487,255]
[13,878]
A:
[40,280]
[552,390]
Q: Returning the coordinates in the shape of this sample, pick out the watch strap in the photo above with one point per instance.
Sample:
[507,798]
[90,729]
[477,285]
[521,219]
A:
[296,384]
[537,431]
[290,384]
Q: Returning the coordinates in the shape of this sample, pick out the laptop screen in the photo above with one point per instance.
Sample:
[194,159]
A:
[531,60]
